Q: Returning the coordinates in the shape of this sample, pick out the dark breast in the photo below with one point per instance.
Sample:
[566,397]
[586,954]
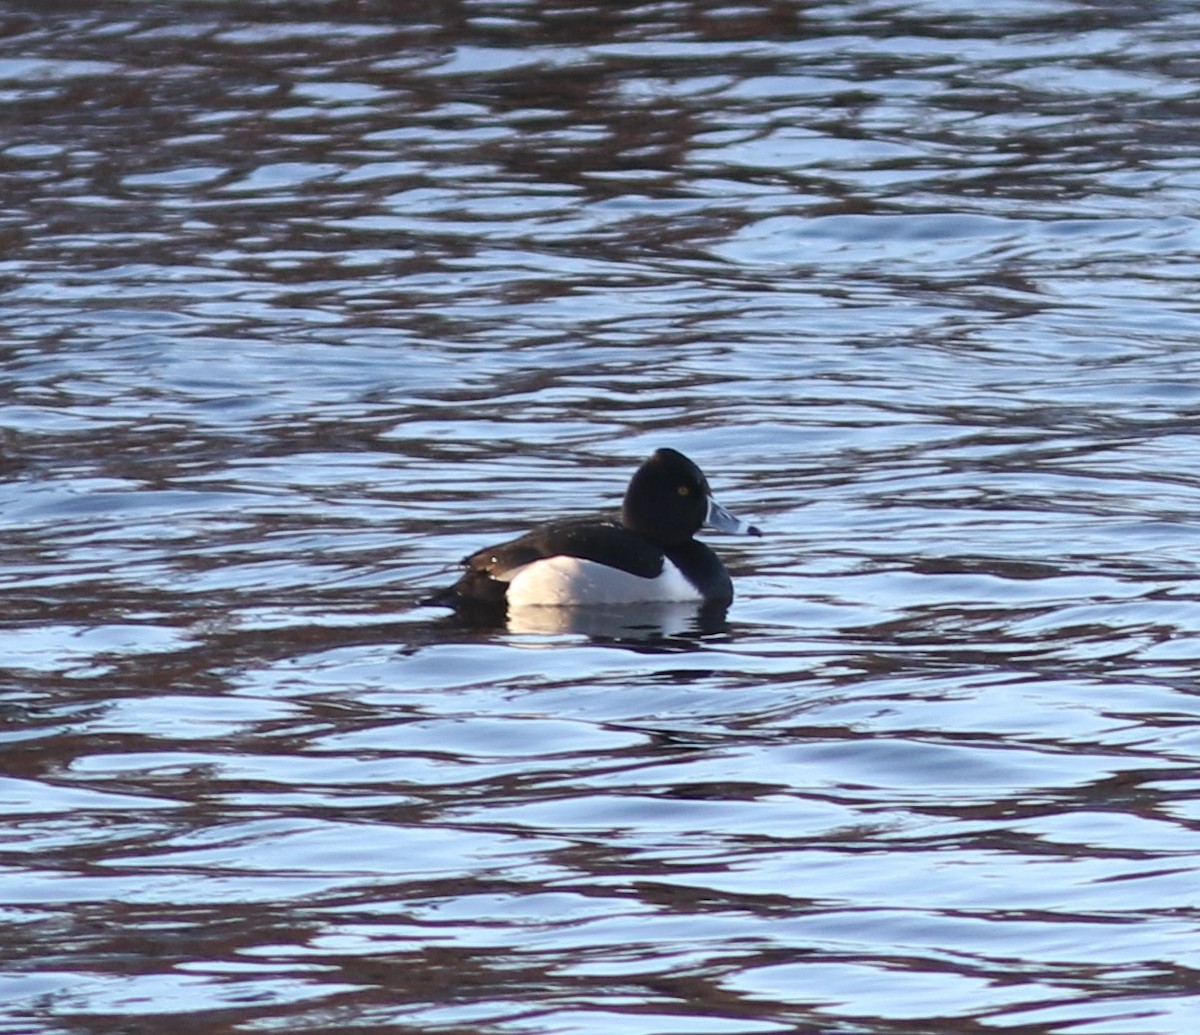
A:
[703,569]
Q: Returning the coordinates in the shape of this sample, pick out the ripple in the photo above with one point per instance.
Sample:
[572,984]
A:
[304,307]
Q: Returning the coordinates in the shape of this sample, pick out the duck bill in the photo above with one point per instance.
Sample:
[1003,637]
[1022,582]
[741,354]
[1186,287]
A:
[720,519]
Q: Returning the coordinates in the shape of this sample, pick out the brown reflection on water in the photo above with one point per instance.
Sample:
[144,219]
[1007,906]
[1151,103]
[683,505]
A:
[303,300]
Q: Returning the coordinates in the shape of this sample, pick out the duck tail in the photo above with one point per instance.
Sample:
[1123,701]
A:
[447,597]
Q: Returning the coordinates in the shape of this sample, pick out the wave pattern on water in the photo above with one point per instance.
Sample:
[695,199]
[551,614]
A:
[305,301]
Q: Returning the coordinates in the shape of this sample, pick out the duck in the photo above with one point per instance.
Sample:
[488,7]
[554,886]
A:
[647,554]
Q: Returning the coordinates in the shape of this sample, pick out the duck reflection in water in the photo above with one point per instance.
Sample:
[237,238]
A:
[645,568]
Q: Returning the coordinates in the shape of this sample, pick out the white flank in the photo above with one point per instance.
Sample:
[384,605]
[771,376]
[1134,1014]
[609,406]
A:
[571,581]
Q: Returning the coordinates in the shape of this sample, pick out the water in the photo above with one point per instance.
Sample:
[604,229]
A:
[302,302]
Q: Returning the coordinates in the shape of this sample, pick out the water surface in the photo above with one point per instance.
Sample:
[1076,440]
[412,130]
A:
[302,302]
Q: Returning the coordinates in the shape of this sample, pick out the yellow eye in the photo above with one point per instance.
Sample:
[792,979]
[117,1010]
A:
[683,490]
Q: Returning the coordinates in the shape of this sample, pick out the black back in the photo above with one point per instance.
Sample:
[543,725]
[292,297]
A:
[604,542]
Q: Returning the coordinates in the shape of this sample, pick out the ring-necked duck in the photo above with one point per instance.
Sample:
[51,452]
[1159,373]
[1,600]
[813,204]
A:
[648,555]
